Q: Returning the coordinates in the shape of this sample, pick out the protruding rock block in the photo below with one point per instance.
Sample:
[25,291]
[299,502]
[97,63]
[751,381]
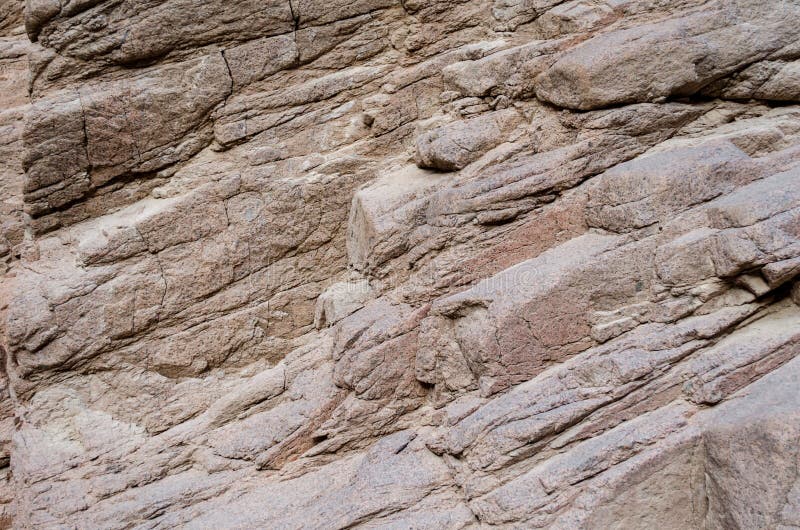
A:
[78,141]
[451,147]
[672,58]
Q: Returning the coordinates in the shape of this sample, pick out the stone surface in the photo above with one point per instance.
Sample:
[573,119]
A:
[378,264]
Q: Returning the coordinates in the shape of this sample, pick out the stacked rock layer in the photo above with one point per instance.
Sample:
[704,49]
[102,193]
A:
[400,264]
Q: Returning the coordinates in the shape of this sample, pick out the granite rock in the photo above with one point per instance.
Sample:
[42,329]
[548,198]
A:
[378,264]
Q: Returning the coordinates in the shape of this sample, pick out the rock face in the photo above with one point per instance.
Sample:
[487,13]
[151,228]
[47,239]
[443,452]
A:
[400,264]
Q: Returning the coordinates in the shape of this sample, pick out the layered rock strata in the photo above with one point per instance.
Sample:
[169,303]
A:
[400,264]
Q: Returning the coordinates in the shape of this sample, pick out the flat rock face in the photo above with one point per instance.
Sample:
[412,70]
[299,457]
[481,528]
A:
[400,264]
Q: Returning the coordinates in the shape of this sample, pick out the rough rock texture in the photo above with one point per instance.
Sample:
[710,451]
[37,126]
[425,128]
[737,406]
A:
[400,264]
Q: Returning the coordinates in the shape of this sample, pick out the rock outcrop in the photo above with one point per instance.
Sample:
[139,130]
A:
[400,264]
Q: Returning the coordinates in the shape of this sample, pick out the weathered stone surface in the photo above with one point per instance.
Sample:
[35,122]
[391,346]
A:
[81,140]
[453,146]
[378,264]
[775,80]
[675,57]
